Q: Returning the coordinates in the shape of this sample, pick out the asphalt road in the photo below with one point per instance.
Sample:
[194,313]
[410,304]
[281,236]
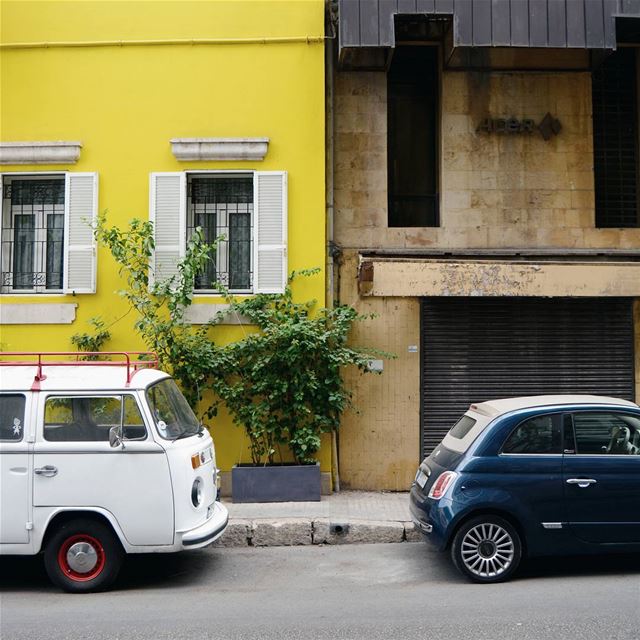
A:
[349,592]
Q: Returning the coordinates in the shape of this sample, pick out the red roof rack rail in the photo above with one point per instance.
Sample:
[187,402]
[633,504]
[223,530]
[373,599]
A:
[143,360]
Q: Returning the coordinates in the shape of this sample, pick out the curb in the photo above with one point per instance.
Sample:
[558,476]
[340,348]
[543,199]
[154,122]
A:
[286,532]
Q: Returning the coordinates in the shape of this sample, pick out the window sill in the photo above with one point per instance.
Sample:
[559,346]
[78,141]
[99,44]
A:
[37,313]
[202,313]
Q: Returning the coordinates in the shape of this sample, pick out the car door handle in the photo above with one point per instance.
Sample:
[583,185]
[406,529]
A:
[583,483]
[48,471]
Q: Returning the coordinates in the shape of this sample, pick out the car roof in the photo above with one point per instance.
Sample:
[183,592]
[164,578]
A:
[85,377]
[506,405]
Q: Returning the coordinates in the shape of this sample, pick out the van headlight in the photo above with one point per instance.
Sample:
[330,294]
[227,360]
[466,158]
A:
[196,492]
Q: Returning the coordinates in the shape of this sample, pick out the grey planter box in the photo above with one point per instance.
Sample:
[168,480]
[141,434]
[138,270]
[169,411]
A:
[276,483]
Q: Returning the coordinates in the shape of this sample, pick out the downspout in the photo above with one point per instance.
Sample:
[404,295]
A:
[330,265]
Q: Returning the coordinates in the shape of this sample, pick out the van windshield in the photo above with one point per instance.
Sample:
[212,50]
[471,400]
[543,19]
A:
[171,412]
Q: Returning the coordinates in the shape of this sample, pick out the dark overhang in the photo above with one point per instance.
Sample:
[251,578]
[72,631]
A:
[558,24]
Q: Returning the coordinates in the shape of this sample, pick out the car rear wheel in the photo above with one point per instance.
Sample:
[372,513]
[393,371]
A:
[487,549]
[83,556]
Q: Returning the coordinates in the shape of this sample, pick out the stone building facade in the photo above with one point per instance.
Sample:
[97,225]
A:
[516,233]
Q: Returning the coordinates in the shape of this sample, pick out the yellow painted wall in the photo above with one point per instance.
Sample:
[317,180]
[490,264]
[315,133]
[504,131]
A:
[125,103]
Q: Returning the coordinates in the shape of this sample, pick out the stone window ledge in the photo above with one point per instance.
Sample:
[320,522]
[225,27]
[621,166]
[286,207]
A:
[202,313]
[37,313]
[39,152]
[219,148]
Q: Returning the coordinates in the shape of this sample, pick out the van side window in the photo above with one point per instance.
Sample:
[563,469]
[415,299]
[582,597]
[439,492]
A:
[539,435]
[12,417]
[88,419]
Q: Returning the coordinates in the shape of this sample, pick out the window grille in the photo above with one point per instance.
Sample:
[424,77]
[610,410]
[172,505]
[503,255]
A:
[615,140]
[32,234]
[222,206]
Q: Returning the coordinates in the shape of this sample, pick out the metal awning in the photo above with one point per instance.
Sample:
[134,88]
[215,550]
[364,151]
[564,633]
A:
[581,24]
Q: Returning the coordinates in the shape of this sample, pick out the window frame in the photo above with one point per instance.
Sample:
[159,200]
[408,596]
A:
[101,394]
[222,255]
[437,143]
[576,452]
[38,290]
[25,425]
[168,214]
[556,419]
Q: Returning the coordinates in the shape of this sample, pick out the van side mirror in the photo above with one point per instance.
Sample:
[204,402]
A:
[115,437]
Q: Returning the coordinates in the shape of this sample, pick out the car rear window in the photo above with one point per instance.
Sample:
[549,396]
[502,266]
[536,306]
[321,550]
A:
[465,431]
[462,427]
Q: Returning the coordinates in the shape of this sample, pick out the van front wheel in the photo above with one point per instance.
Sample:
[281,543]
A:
[83,556]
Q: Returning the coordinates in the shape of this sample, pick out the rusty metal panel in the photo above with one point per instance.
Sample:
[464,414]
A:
[425,6]
[369,25]
[349,23]
[407,6]
[501,22]
[462,23]
[519,23]
[557,20]
[476,349]
[523,23]
[594,24]
[538,22]
[610,10]
[387,10]
[576,29]
[446,6]
[482,23]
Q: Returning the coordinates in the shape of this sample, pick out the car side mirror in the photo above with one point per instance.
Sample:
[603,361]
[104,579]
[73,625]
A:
[115,437]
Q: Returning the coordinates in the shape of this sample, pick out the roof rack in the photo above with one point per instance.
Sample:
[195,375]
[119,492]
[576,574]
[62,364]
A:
[143,360]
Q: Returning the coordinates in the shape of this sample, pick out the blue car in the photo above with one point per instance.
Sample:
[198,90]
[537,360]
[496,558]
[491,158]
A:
[534,476]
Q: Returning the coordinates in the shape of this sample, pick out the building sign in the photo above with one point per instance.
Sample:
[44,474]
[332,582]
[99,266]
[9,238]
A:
[548,126]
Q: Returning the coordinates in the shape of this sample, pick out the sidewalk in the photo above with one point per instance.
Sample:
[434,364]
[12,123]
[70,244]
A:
[341,518]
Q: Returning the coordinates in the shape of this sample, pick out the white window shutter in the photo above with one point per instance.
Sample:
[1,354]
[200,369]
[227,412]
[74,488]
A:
[167,211]
[270,255]
[81,207]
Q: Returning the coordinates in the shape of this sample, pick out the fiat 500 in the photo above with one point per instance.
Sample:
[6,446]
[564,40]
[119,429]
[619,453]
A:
[534,476]
[99,459]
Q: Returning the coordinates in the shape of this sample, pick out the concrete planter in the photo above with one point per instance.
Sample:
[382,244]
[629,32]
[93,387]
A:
[276,483]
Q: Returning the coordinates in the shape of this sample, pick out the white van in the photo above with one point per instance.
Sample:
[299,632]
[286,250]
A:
[99,459]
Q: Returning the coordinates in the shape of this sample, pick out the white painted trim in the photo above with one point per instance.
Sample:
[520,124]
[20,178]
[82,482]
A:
[59,152]
[37,313]
[186,149]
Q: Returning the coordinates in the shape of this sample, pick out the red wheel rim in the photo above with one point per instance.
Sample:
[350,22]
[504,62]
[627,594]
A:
[74,574]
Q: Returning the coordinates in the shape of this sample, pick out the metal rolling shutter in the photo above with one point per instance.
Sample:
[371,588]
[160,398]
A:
[476,349]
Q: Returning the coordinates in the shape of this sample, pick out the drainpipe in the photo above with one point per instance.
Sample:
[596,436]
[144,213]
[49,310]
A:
[330,265]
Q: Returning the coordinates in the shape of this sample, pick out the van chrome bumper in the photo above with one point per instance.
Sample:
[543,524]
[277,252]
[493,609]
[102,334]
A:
[209,531]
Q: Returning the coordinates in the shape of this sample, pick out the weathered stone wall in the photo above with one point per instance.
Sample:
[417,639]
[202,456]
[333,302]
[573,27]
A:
[380,441]
[497,191]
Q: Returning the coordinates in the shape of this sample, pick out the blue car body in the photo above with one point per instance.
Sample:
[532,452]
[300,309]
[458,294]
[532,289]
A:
[560,503]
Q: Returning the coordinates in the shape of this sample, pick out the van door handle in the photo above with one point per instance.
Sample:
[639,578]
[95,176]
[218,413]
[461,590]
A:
[48,471]
[583,483]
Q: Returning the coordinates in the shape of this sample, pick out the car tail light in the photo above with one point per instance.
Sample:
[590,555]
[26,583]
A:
[441,485]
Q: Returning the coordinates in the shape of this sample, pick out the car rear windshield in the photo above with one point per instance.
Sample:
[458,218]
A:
[462,427]
[465,431]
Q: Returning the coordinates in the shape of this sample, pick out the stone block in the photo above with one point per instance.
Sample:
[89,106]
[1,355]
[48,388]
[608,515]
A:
[237,534]
[411,533]
[282,532]
[358,532]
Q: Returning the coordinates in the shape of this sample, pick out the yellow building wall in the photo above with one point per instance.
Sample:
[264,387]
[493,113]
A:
[124,103]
